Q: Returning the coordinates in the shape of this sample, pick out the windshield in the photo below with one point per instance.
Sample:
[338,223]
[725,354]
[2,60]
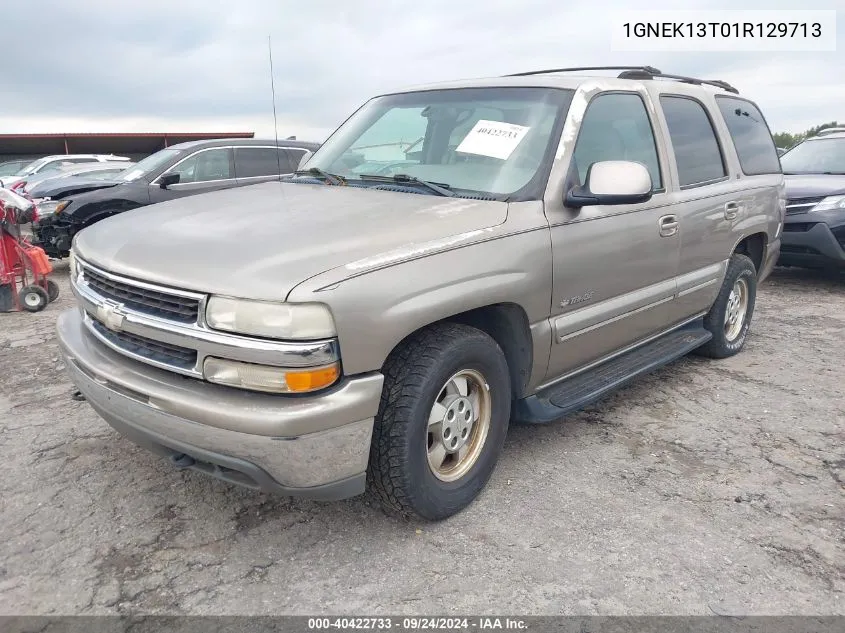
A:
[492,141]
[817,156]
[150,163]
[33,167]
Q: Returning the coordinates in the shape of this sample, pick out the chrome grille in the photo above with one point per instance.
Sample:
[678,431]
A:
[145,300]
[155,351]
[801,205]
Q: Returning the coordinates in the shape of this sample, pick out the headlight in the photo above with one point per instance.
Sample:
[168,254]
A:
[52,207]
[267,378]
[831,203]
[286,321]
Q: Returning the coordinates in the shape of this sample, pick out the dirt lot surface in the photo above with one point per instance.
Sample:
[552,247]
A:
[708,487]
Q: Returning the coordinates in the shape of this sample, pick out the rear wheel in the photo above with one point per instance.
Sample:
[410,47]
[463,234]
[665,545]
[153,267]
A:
[33,298]
[730,315]
[441,422]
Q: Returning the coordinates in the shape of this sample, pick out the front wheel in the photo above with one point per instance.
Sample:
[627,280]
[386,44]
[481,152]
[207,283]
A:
[52,290]
[441,422]
[730,315]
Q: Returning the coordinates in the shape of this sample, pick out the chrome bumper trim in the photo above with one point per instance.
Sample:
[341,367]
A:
[195,336]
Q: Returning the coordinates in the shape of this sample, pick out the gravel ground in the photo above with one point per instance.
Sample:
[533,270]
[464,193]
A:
[707,487]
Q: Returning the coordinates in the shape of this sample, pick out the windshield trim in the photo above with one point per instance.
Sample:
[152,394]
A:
[534,189]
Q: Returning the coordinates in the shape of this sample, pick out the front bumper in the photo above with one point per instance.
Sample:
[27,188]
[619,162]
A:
[809,242]
[53,237]
[200,426]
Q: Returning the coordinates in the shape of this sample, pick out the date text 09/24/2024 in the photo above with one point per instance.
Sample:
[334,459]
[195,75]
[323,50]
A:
[416,624]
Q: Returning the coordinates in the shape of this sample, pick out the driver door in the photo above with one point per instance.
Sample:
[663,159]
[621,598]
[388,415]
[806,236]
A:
[206,170]
[614,265]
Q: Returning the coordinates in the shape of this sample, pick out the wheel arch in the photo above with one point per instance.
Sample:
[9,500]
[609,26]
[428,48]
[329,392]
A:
[507,324]
[754,247]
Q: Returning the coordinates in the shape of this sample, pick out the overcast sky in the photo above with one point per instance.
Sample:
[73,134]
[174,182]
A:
[200,65]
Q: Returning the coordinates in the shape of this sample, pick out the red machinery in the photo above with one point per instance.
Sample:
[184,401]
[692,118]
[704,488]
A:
[23,267]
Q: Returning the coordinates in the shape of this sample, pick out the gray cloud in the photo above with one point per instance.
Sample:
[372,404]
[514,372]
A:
[193,64]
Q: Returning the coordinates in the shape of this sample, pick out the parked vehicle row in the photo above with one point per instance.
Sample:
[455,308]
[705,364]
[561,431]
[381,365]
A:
[54,162]
[453,257]
[66,207]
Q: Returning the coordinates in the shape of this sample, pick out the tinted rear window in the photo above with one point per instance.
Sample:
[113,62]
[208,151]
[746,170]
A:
[751,136]
[694,142]
[251,162]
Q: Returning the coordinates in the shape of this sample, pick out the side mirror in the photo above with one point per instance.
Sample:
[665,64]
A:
[168,179]
[612,182]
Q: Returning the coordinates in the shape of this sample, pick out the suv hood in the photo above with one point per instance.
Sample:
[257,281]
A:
[70,185]
[813,185]
[260,241]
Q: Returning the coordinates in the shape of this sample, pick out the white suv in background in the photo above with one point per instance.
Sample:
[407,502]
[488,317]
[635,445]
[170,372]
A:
[48,163]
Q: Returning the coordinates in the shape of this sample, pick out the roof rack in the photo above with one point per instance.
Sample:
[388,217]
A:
[646,74]
[635,72]
[830,130]
[649,69]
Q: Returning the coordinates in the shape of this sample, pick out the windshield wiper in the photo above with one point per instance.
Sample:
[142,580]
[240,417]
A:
[332,179]
[439,188]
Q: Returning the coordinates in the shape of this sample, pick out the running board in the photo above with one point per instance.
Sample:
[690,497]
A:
[575,393]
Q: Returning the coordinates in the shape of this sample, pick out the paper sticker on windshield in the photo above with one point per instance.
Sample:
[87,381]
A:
[493,138]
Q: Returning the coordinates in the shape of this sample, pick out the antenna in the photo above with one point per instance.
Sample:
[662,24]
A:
[275,120]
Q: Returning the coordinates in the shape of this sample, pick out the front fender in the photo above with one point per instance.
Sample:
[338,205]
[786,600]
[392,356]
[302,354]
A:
[376,310]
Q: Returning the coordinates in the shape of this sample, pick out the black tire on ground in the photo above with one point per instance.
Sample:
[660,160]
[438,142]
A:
[415,374]
[52,290]
[33,298]
[740,268]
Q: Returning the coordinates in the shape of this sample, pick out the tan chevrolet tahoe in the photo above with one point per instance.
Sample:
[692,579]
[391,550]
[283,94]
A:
[453,258]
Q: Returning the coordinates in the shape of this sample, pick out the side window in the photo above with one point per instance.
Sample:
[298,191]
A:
[294,157]
[251,162]
[617,127]
[211,164]
[694,142]
[751,136]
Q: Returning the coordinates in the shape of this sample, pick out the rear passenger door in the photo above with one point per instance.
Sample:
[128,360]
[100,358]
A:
[705,200]
[614,265]
[204,170]
[260,164]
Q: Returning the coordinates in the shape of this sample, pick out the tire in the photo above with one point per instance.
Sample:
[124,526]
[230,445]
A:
[729,339]
[52,290]
[419,377]
[33,298]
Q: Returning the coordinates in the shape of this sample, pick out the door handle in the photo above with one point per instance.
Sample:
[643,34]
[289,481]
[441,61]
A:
[731,210]
[668,225]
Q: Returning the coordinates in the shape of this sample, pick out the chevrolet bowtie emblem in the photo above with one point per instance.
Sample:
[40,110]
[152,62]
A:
[111,315]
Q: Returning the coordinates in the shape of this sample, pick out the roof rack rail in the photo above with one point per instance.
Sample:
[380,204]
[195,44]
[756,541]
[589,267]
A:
[634,72]
[646,74]
[830,130]
[649,69]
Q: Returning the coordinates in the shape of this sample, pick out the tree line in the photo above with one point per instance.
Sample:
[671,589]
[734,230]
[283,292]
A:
[787,140]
